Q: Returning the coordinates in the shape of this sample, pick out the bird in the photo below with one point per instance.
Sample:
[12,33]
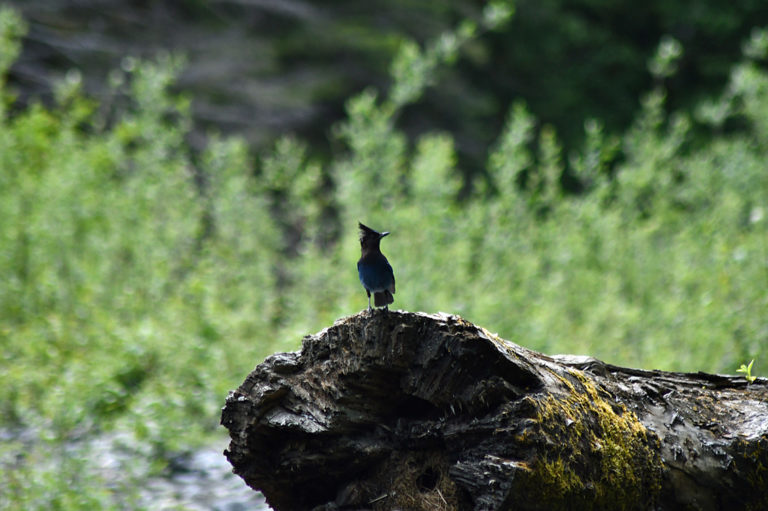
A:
[374,270]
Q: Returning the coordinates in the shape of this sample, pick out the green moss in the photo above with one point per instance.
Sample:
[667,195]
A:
[597,454]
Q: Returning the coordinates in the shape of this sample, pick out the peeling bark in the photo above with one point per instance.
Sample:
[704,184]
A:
[395,410]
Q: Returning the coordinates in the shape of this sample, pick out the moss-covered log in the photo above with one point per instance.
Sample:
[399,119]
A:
[394,410]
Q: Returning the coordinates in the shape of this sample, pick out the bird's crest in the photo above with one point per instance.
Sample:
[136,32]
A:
[367,232]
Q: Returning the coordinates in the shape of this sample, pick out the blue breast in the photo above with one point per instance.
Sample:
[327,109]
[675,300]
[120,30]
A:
[375,274]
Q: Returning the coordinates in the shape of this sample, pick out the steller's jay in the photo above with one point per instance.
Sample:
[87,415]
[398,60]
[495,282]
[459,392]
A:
[374,270]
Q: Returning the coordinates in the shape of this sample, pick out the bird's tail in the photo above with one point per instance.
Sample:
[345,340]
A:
[382,298]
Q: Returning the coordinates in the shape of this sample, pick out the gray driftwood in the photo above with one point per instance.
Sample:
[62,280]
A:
[394,410]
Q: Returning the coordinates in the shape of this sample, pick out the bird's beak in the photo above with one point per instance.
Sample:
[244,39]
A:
[383,234]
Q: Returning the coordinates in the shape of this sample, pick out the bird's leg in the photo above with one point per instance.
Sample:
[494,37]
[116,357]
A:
[369,299]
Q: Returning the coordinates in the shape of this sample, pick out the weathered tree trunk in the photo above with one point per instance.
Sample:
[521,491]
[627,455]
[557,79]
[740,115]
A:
[393,410]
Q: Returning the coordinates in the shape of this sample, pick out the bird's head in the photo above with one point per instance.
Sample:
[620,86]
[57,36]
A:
[368,237]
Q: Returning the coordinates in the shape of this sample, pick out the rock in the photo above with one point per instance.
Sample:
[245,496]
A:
[397,410]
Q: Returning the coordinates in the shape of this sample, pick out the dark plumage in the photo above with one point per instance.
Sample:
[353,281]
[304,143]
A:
[374,270]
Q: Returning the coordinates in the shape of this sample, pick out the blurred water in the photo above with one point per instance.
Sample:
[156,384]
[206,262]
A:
[202,481]
[197,481]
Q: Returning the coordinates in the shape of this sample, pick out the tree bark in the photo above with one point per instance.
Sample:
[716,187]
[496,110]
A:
[395,410]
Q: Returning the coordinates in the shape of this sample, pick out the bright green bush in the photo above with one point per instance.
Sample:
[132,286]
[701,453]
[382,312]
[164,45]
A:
[141,281]
[648,267]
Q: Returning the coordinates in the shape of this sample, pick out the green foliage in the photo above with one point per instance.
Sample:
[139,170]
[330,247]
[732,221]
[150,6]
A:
[664,62]
[142,282]
[137,281]
[747,370]
[413,70]
[12,28]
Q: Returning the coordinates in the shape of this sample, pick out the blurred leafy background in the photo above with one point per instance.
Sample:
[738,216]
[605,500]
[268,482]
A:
[580,177]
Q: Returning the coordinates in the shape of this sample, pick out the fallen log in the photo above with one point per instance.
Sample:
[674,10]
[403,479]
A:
[396,410]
